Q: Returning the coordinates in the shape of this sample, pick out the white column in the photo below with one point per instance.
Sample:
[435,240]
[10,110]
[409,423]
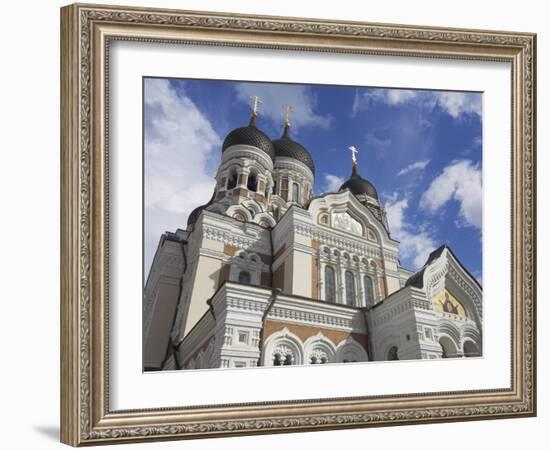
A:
[340,284]
[362,288]
[244,171]
[321,277]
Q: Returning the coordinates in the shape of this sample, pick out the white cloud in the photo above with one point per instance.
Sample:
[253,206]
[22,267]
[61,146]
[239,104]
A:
[419,165]
[460,181]
[179,141]
[424,124]
[379,143]
[459,103]
[366,98]
[477,141]
[332,182]
[275,96]
[399,96]
[456,104]
[415,245]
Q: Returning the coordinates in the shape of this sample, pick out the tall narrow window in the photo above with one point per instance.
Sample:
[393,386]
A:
[274,187]
[330,291]
[252,183]
[295,190]
[232,180]
[275,211]
[369,294]
[350,288]
[244,277]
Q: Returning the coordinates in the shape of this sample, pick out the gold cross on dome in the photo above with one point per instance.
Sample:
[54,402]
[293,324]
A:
[288,109]
[354,151]
[256,103]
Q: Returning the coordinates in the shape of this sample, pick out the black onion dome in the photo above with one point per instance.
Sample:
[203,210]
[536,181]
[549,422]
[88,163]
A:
[286,147]
[197,211]
[249,135]
[195,215]
[359,186]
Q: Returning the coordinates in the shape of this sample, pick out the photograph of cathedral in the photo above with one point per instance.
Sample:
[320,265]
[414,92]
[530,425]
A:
[299,224]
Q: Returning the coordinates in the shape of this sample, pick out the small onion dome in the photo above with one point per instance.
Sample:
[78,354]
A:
[358,185]
[286,147]
[195,215]
[249,135]
[197,211]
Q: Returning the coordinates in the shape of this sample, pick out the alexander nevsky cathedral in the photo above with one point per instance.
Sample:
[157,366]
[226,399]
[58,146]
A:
[268,274]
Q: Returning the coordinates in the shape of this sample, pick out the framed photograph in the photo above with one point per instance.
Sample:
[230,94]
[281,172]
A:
[276,224]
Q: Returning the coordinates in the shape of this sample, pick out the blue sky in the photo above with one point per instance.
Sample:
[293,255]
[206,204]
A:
[420,149]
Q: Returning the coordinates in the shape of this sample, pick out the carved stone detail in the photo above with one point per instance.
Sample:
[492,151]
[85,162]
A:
[233,240]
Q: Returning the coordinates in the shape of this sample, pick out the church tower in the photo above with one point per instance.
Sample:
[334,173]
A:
[294,172]
[364,191]
[244,180]
[237,213]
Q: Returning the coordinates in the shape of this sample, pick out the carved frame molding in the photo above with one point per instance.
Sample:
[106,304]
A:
[86,31]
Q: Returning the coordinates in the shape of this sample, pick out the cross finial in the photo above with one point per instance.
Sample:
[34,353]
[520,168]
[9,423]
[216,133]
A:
[288,109]
[255,105]
[354,151]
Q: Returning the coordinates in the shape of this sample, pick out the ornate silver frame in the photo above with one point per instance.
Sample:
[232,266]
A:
[86,31]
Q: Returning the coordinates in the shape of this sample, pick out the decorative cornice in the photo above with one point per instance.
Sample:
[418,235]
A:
[340,242]
[320,313]
[246,153]
[245,304]
[290,165]
[234,240]
[458,278]
[308,317]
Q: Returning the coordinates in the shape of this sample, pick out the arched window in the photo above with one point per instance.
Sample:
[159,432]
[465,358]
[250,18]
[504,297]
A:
[274,187]
[392,354]
[244,277]
[369,292]
[350,288]
[295,192]
[330,288]
[448,347]
[275,211]
[232,179]
[252,183]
